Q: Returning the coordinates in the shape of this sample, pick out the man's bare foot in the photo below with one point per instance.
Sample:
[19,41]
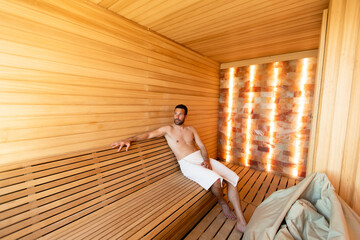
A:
[227,212]
[240,226]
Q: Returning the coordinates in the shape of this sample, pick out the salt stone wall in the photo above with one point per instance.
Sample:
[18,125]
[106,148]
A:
[287,98]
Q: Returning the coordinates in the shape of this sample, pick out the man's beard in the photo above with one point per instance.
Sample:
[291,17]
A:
[178,122]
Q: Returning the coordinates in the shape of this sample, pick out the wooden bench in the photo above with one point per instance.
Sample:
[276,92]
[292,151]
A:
[101,194]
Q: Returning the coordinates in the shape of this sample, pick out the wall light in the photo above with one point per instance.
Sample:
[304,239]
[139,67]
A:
[250,109]
[272,118]
[229,118]
[299,124]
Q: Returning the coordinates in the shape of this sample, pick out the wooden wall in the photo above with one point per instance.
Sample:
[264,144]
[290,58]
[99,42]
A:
[337,146]
[74,76]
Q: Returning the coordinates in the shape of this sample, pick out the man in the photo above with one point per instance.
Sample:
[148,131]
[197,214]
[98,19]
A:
[195,164]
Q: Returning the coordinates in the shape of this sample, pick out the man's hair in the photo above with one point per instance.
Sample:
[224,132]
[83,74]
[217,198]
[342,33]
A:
[182,107]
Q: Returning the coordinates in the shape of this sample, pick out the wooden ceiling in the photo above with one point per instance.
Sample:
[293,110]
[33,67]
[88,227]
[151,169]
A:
[229,30]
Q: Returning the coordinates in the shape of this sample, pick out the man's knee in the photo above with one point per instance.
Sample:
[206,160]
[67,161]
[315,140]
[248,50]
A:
[217,184]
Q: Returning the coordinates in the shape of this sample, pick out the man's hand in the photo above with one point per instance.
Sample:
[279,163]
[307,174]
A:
[206,164]
[120,144]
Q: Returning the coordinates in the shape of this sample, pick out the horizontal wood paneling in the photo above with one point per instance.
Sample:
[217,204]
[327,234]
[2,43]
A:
[75,76]
[229,30]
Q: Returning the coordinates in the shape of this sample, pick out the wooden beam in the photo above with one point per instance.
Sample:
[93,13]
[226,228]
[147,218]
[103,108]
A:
[269,59]
[317,91]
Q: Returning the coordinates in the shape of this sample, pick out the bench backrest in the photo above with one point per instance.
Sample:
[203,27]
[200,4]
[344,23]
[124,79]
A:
[40,196]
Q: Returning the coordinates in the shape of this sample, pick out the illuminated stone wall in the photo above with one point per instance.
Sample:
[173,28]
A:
[278,113]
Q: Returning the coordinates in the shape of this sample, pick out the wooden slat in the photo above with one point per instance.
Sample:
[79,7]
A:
[135,212]
[234,233]
[260,195]
[273,185]
[210,25]
[165,220]
[245,190]
[213,227]
[85,183]
[97,216]
[261,184]
[187,220]
[108,80]
[291,182]
[205,222]
[255,188]
[225,230]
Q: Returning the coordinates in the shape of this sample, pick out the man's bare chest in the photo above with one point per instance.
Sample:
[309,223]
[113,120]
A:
[181,136]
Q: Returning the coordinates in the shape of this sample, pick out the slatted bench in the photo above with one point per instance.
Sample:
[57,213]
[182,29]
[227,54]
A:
[101,194]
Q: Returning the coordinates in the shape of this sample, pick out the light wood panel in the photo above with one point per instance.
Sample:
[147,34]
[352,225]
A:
[337,146]
[75,76]
[270,59]
[88,194]
[229,30]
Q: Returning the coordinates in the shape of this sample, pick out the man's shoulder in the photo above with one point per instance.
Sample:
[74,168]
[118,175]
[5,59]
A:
[166,127]
[191,128]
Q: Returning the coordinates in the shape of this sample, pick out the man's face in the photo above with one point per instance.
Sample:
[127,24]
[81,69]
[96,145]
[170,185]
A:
[179,116]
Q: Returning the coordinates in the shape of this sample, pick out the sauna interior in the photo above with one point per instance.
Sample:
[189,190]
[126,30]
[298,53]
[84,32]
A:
[270,85]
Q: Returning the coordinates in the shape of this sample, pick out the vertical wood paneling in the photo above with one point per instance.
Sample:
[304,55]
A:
[317,88]
[75,76]
[338,137]
[349,183]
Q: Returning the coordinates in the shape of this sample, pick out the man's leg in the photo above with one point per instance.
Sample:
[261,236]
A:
[233,196]
[218,192]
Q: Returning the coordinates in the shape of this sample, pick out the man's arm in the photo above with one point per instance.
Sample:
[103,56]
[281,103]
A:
[127,142]
[203,151]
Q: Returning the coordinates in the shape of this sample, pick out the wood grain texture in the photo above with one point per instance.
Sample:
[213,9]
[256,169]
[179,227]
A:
[336,151]
[253,188]
[140,193]
[229,30]
[70,82]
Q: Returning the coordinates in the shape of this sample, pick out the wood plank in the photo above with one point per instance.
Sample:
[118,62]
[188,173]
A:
[283,182]
[271,59]
[112,208]
[99,64]
[255,188]
[244,180]
[204,223]
[108,25]
[225,230]
[260,195]
[214,225]
[245,190]
[174,214]
[106,158]
[319,74]
[235,234]
[188,219]
[291,182]
[134,212]
[273,186]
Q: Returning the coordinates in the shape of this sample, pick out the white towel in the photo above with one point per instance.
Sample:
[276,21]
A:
[192,169]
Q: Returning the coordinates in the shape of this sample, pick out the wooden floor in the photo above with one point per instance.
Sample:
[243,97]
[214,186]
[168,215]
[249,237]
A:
[254,187]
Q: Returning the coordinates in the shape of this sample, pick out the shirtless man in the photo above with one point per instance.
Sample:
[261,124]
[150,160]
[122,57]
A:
[196,165]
